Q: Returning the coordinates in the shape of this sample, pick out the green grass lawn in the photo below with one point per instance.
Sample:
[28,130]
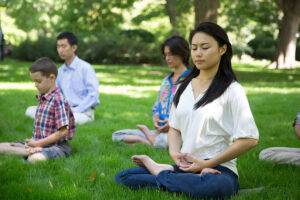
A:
[126,97]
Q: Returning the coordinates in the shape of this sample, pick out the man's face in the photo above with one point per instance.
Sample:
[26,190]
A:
[65,50]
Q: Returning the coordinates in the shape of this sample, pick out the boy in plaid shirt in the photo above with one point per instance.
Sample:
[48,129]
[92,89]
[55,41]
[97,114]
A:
[54,121]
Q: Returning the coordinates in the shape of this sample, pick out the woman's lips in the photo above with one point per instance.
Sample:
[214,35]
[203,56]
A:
[199,61]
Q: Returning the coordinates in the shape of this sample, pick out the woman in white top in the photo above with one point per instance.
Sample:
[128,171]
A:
[211,124]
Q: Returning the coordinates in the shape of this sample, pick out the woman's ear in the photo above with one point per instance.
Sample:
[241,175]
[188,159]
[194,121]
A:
[223,49]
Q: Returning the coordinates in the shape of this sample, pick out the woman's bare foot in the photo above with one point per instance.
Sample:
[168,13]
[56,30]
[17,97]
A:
[153,167]
[149,135]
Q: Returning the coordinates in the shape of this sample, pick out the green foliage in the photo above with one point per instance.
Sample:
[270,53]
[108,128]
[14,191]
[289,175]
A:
[149,12]
[121,48]
[32,50]
[51,16]
[244,20]
[298,49]
[257,15]
[142,34]
[29,14]
[128,46]
[263,46]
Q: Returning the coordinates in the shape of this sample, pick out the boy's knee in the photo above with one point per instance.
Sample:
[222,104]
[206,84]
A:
[36,157]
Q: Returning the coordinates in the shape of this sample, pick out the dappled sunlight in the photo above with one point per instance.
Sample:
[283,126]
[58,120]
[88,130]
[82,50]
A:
[145,91]
[271,90]
[17,86]
[128,90]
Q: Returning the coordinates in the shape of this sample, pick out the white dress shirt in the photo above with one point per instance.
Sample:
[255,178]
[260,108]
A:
[79,85]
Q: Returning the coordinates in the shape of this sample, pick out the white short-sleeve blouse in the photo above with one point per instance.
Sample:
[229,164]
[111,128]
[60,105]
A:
[209,130]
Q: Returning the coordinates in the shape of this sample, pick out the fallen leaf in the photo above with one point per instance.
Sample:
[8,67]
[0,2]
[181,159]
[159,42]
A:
[92,177]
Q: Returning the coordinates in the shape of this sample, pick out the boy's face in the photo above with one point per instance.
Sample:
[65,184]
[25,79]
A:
[42,83]
[65,50]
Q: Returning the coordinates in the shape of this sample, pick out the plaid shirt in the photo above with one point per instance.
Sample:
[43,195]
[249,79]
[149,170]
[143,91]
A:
[52,113]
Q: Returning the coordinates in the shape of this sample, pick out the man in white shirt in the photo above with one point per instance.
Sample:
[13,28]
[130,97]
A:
[76,79]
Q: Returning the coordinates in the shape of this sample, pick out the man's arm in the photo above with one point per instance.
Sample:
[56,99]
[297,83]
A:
[297,130]
[92,97]
[61,133]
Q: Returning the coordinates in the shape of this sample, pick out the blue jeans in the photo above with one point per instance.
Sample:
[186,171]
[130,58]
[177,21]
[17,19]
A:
[205,186]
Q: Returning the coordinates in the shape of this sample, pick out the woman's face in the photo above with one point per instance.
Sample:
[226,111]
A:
[173,61]
[205,51]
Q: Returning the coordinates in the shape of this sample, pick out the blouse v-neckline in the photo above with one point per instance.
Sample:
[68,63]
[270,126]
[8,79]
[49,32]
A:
[193,94]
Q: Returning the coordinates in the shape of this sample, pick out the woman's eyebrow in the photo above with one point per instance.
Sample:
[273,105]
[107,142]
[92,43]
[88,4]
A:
[201,44]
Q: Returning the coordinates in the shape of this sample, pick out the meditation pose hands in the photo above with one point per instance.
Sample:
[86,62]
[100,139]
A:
[157,121]
[191,163]
[179,159]
[30,142]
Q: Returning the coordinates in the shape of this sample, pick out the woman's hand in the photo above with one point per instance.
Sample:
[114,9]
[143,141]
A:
[209,171]
[195,164]
[165,127]
[156,122]
[180,160]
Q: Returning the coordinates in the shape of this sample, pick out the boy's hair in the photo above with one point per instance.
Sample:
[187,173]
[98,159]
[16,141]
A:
[72,39]
[44,65]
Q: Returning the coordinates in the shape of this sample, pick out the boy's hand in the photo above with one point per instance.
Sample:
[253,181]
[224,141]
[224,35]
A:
[30,142]
[31,150]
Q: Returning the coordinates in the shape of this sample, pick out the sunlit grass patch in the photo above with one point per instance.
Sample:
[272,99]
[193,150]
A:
[127,94]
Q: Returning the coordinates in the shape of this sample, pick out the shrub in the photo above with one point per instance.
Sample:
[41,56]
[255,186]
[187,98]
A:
[263,47]
[32,50]
[121,47]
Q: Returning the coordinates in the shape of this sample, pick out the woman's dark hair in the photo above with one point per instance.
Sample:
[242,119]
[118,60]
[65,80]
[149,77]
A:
[72,39]
[178,46]
[224,76]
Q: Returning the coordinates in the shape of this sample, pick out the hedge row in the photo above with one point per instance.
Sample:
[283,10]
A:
[126,47]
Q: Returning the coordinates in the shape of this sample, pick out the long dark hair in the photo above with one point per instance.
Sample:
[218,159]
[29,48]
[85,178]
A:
[178,46]
[224,76]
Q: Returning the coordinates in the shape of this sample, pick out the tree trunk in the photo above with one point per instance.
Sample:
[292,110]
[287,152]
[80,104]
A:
[206,11]
[171,9]
[286,46]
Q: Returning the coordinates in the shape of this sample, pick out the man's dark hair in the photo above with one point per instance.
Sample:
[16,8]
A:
[44,65]
[72,39]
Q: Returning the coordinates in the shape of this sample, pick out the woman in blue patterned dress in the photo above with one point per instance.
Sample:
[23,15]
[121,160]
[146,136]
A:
[176,53]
